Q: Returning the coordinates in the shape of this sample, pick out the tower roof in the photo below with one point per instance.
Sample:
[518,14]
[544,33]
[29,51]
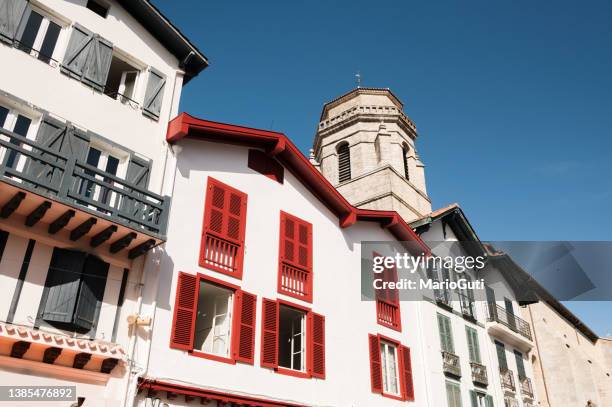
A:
[358,92]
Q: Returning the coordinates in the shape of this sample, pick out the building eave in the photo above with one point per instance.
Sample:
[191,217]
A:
[191,59]
[281,148]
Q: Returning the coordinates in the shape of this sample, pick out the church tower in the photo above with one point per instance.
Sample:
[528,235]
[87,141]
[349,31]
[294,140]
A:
[365,146]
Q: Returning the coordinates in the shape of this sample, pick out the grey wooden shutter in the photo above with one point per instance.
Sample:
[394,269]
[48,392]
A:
[154,94]
[77,53]
[71,143]
[501,355]
[62,286]
[138,175]
[520,366]
[91,294]
[98,62]
[11,12]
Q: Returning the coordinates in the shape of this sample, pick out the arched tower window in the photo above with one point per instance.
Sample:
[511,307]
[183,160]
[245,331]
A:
[405,151]
[344,162]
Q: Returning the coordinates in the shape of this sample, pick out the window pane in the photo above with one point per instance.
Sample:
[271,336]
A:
[49,42]
[213,319]
[3,114]
[112,164]
[31,30]
[22,125]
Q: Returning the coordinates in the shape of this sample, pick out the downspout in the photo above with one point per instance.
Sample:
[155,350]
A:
[133,383]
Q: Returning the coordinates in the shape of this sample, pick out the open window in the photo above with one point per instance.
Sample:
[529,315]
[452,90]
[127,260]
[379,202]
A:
[480,399]
[214,319]
[389,366]
[387,299]
[292,338]
[122,80]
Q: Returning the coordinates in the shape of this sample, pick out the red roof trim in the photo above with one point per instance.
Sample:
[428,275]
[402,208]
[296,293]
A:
[278,145]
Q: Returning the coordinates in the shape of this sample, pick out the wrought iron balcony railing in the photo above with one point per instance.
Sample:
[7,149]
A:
[451,364]
[467,305]
[479,373]
[508,319]
[507,379]
[526,387]
[443,297]
[27,164]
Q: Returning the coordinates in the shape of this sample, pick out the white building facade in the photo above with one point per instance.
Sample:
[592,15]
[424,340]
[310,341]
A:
[86,93]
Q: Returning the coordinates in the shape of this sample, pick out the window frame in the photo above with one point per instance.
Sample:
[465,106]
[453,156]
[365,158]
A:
[404,393]
[305,343]
[309,347]
[47,17]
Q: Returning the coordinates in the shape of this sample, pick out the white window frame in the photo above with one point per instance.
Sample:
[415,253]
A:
[481,399]
[139,68]
[107,150]
[301,333]
[227,333]
[42,31]
[387,374]
[9,124]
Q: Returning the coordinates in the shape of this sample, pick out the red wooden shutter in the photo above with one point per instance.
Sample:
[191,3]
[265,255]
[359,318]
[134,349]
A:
[296,241]
[408,387]
[375,365]
[222,245]
[244,337]
[269,334]
[185,307]
[316,336]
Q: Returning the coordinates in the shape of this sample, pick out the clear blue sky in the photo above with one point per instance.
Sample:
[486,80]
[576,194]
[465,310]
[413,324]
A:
[513,100]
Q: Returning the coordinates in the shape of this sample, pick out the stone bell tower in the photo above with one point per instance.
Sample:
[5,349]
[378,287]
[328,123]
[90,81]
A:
[365,146]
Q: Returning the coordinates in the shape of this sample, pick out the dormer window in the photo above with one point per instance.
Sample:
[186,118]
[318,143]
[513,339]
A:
[98,7]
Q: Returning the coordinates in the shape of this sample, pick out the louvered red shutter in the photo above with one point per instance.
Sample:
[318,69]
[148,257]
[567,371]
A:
[296,241]
[316,335]
[407,373]
[269,334]
[375,366]
[222,245]
[184,312]
[244,342]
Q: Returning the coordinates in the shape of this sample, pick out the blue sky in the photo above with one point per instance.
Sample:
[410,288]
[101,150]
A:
[513,100]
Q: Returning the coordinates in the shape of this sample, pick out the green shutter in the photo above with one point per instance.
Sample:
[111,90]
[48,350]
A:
[501,355]
[453,394]
[446,335]
[473,345]
[520,366]
[489,400]
[474,398]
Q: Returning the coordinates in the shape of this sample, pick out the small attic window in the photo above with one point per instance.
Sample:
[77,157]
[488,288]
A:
[97,7]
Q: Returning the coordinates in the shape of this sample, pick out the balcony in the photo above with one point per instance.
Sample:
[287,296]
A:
[443,297]
[467,306]
[451,364]
[57,196]
[526,387]
[507,380]
[509,327]
[479,374]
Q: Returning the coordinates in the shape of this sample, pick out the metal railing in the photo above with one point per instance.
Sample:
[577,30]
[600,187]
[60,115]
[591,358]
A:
[443,296]
[451,364]
[29,165]
[467,305]
[507,379]
[35,53]
[479,373]
[508,319]
[526,387]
